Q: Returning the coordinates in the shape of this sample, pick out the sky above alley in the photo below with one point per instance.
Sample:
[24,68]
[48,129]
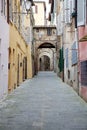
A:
[47,6]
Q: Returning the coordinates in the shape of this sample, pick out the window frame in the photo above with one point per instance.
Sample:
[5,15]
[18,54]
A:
[83,67]
[49,32]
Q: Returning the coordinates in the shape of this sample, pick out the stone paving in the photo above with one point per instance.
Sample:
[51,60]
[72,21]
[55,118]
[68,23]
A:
[43,103]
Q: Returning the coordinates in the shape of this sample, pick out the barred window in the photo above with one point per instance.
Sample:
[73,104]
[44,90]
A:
[84,73]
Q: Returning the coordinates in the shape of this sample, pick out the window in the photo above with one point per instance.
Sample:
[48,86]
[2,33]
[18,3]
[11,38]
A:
[0,46]
[1,6]
[10,10]
[49,31]
[86,11]
[68,74]
[66,56]
[67,10]
[37,30]
[84,73]
[4,7]
[81,12]
[0,54]
[74,54]
[21,2]
[36,9]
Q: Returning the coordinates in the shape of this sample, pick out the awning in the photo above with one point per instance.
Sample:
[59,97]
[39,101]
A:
[83,39]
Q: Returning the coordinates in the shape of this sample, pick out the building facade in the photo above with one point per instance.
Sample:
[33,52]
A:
[72,38]
[45,48]
[82,37]
[20,46]
[40,13]
[4,44]
[67,43]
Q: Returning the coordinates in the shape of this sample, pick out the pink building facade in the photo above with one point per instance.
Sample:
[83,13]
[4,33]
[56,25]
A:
[82,33]
[4,45]
[82,47]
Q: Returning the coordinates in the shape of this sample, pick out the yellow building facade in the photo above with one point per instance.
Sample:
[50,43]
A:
[40,13]
[20,54]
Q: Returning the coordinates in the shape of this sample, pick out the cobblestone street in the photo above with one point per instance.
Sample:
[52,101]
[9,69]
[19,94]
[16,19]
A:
[43,103]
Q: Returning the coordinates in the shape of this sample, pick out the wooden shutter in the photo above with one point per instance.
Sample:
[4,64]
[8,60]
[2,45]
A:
[10,10]
[74,54]
[67,11]
[86,11]
[80,12]
[36,9]
[73,5]
[66,57]
[7,11]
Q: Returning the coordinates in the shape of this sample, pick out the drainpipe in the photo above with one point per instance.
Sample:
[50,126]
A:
[77,44]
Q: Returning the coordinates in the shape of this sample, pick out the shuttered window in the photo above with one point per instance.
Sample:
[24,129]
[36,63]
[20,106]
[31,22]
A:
[49,31]
[36,9]
[67,10]
[86,11]
[59,24]
[73,6]
[84,73]
[28,34]
[74,54]
[0,57]
[66,57]
[10,10]
[80,12]
[0,46]
[1,6]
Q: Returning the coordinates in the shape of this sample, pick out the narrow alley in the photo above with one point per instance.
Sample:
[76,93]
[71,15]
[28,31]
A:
[43,103]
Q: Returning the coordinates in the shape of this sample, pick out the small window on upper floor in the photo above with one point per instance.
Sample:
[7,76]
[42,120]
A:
[86,12]
[37,30]
[0,46]
[54,32]
[2,6]
[20,2]
[68,74]
[49,31]
[36,9]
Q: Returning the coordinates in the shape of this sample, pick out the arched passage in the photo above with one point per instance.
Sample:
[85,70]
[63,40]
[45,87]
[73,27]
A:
[44,63]
[45,56]
[40,59]
[46,45]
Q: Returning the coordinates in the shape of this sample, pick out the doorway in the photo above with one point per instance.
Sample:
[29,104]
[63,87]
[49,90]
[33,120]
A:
[44,63]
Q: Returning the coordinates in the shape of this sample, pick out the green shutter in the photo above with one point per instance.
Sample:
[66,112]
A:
[61,60]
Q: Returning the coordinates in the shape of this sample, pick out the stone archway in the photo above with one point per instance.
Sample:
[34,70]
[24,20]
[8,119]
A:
[46,45]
